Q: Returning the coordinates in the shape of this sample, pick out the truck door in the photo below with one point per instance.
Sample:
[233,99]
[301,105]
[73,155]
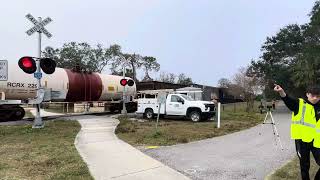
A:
[175,105]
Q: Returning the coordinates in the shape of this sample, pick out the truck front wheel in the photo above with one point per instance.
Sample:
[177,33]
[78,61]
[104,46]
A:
[195,116]
[149,114]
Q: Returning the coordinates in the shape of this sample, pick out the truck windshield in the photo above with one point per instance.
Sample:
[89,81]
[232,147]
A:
[187,97]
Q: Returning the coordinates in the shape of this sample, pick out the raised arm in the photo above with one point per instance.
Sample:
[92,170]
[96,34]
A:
[291,103]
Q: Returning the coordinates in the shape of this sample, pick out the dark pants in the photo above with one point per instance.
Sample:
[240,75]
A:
[303,152]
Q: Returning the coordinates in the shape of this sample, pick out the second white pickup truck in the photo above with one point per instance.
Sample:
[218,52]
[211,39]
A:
[176,105]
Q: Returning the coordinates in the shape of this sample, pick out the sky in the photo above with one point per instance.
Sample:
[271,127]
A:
[205,39]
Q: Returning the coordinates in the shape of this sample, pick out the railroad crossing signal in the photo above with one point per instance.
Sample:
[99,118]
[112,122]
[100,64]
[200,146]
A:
[28,65]
[125,82]
[39,26]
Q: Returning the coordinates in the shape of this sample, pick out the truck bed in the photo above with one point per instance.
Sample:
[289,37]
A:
[150,103]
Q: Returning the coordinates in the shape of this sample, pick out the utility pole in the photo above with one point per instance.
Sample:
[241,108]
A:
[38,123]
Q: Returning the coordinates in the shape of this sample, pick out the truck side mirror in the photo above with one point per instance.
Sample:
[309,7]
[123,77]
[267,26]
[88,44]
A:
[181,101]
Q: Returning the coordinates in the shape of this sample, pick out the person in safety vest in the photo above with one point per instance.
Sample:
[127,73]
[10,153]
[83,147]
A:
[305,126]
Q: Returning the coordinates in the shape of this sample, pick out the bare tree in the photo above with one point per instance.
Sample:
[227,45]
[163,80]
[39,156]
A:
[184,80]
[167,77]
[247,86]
[224,83]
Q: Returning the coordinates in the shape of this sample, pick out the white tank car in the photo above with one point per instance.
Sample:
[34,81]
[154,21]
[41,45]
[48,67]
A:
[112,90]
[65,85]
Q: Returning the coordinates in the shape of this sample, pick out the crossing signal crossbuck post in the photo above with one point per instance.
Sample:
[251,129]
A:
[124,82]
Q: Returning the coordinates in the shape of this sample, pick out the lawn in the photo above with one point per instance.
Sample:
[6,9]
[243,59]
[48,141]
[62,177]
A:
[47,153]
[170,132]
[291,170]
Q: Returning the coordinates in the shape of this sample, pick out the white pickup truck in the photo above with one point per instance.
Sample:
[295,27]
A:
[176,105]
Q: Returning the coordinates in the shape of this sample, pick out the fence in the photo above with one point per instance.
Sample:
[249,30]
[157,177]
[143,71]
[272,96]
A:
[71,108]
[239,107]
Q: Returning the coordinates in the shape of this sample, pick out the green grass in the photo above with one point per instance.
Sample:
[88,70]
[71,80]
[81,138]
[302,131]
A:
[291,170]
[47,153]
[172,132]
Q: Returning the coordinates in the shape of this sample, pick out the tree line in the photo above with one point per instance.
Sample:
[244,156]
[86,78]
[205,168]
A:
[290,58]
[82,57]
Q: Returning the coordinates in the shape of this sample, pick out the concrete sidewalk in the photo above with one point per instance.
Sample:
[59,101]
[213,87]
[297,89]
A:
[110,158]
[43,113]
[247,154]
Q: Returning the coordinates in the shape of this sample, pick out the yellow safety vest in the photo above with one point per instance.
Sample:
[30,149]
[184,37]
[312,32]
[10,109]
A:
[316,142]
[303,124]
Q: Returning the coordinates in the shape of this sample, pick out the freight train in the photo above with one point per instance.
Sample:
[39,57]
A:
[63,85]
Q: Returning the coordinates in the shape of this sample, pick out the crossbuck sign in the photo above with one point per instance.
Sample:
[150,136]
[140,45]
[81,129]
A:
[39,26]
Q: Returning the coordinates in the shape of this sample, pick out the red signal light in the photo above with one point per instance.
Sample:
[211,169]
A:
[123,82]
[27,64]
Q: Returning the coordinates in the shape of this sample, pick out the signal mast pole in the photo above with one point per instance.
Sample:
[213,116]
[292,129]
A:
[38,27]
[38,123]
[124,110]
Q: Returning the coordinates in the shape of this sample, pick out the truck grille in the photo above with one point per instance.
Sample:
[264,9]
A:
[211,106]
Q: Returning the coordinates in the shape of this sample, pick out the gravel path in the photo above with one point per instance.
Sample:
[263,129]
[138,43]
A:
[249,154]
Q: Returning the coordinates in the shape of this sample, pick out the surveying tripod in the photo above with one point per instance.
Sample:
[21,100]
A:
[274,128]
